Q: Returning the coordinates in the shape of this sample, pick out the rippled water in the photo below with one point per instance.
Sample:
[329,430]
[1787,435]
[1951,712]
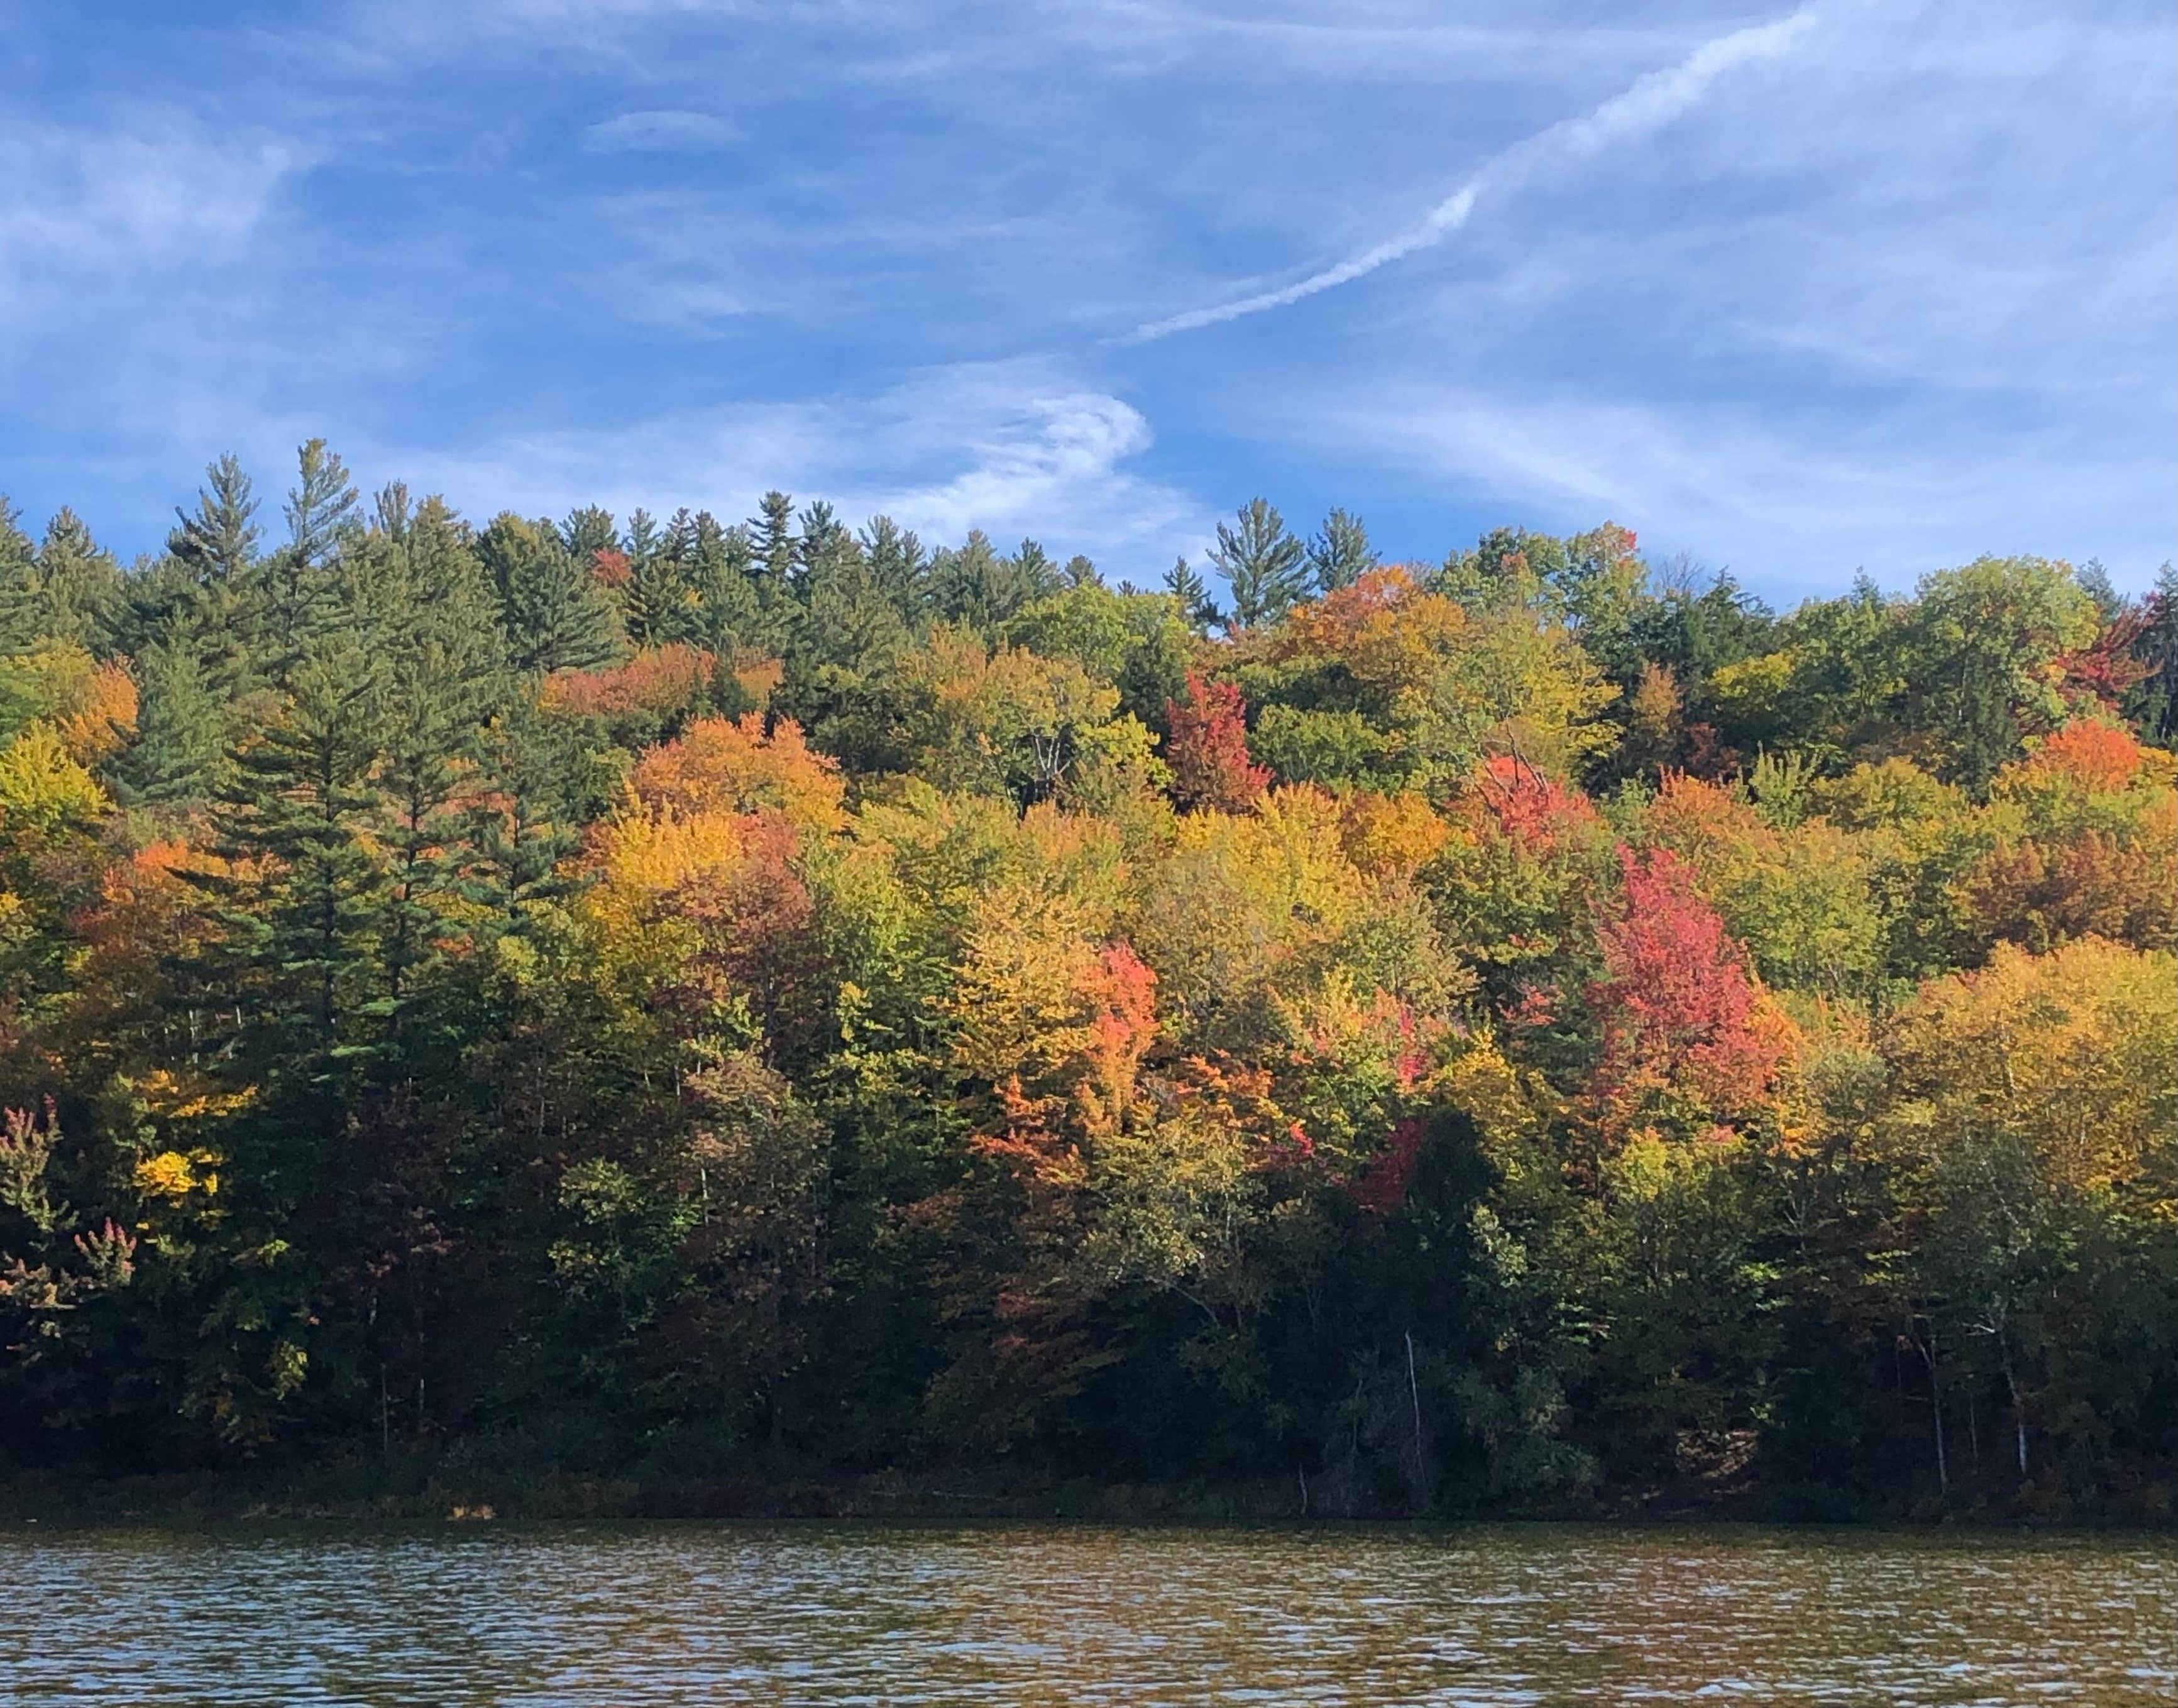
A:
[819,1614]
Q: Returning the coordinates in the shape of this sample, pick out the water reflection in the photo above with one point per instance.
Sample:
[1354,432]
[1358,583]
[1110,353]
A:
[835,1615]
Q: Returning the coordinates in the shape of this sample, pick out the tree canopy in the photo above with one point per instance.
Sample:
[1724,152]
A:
[1518,1033]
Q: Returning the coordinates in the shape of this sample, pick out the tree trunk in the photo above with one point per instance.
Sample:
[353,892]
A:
[1414,1392]
[1936,1407]
[2018,1409]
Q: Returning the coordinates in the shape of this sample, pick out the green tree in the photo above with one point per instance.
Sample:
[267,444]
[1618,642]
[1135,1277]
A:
[298,600]
[1340,553]
[771,535]
[555,614]
[19,613]
[301,900]
[79,585]
[1193,593]
[1265,567]
[587,531]
[1977,653]
[898,564]
[179,753]
[218,540]
[658,601]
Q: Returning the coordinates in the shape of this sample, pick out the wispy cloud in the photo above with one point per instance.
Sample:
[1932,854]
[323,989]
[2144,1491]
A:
[162,190]
[1794,289]
[665,131]
[1011,448]
[1647,106]
[1794,507]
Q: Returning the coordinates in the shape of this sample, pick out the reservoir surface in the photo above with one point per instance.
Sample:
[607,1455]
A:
[700,1613]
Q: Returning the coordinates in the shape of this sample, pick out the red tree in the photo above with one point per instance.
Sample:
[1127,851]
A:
[1207,748]
[1677,1008]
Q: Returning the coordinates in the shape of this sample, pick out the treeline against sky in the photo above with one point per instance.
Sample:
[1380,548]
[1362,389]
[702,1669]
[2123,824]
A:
[697,1001]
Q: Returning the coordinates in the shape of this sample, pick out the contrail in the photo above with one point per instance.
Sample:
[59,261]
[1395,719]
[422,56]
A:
[1647,105]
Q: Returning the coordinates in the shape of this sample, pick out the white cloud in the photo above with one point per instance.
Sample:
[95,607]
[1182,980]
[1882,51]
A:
[1793,507]
[665,131]
[1010,448]
[165,191]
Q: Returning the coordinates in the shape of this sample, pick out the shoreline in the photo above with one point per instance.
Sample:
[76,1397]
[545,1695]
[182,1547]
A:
[339,1496]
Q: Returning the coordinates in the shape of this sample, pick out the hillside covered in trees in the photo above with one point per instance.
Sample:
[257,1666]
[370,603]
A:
[1528,1033]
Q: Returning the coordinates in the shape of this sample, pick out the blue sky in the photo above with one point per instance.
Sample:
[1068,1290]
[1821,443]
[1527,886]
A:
[1790,291]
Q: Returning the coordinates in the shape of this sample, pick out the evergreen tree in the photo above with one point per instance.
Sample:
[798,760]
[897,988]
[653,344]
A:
[20,601]
[897,565]
[1193,593]
[79,585]
[454,600]
[179,751]
[1034,574]
[521,821]
[431,737]
[1340,552]
[729,617]
[589,531]
[218,543]
[321,506]
[209,588]
[976,586]
[2153,704]
[303,892]
[301,597]
[417,593]
[555,614]
[656,604]
[771,535]
[822,537]
[2095,583]
[1265,566]
[849,624]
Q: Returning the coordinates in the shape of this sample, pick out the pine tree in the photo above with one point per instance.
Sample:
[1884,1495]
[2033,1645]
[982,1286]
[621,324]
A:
[589,531]
[80,583]
[305,889]
[849,623]
[822,537]
[206,596]
[320,505]
[300,598]
[178,755]
[771,532]
[219,543]
[20,600]
[521,821]
[897,565]
[1340,553]
[555,614]
[839,673]
[729,617]
[2153,703]
[1193,593]
[657,602]
[1034,574]
[419,598]
[976,586]
[431,737]
[1265,566]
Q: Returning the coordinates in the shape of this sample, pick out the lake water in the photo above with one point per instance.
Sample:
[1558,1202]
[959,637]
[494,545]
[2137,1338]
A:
[699,1613]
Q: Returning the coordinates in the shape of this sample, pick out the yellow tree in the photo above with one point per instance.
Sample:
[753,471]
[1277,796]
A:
[2034,1135]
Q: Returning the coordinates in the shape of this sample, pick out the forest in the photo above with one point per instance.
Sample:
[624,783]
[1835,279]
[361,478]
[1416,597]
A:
[714,1003]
